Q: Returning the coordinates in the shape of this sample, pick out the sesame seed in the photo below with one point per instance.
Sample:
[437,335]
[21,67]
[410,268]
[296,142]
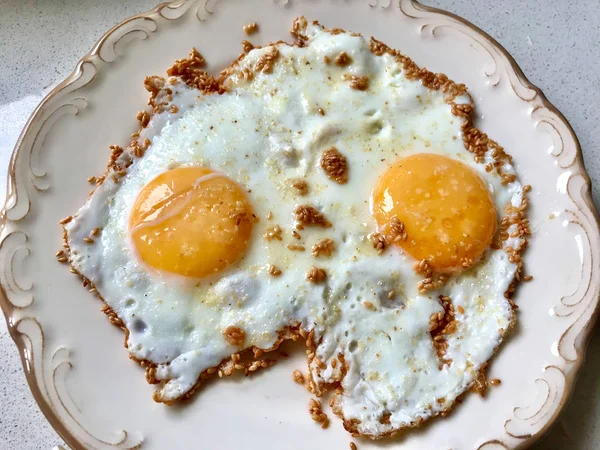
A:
[274,270]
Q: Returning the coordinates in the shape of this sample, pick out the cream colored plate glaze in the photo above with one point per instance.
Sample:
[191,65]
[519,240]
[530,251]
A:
[74,359]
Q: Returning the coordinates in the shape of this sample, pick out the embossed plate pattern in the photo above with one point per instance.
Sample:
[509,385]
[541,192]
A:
[73,359]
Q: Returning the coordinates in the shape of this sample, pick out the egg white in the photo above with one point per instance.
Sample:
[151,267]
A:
[262,133]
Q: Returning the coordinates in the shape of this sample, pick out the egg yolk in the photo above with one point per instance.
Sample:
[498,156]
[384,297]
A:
[191,221]
[448,213]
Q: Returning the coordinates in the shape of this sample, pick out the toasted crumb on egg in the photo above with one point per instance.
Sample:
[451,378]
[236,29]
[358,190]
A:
[431,280]
[143,118]
[154,85]
[442,325]
[234,335]
[316,275]
[335,31]
[246,74]
[191,71]
[360,83]
[247,46]
[151,374]
[379,242]
[480,383]
[273,232]
[298,25]
[335,165]
[115,152]
[241,216]
[323,247]
[267,61]
[311,216]
[300,186]
[423,268]
[112,316]
[396,230]
[343,59]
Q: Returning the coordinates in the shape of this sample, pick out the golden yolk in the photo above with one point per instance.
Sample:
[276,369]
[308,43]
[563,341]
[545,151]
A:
[191,221]
[447,211]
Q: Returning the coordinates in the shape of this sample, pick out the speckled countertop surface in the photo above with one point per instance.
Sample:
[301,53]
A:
[554,41]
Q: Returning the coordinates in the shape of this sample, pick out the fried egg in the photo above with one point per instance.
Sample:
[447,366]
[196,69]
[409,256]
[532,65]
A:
[299,200]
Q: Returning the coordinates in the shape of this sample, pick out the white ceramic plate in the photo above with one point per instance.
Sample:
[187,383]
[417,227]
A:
[74,360]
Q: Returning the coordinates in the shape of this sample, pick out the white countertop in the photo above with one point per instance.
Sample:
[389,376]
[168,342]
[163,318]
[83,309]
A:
[554,41]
